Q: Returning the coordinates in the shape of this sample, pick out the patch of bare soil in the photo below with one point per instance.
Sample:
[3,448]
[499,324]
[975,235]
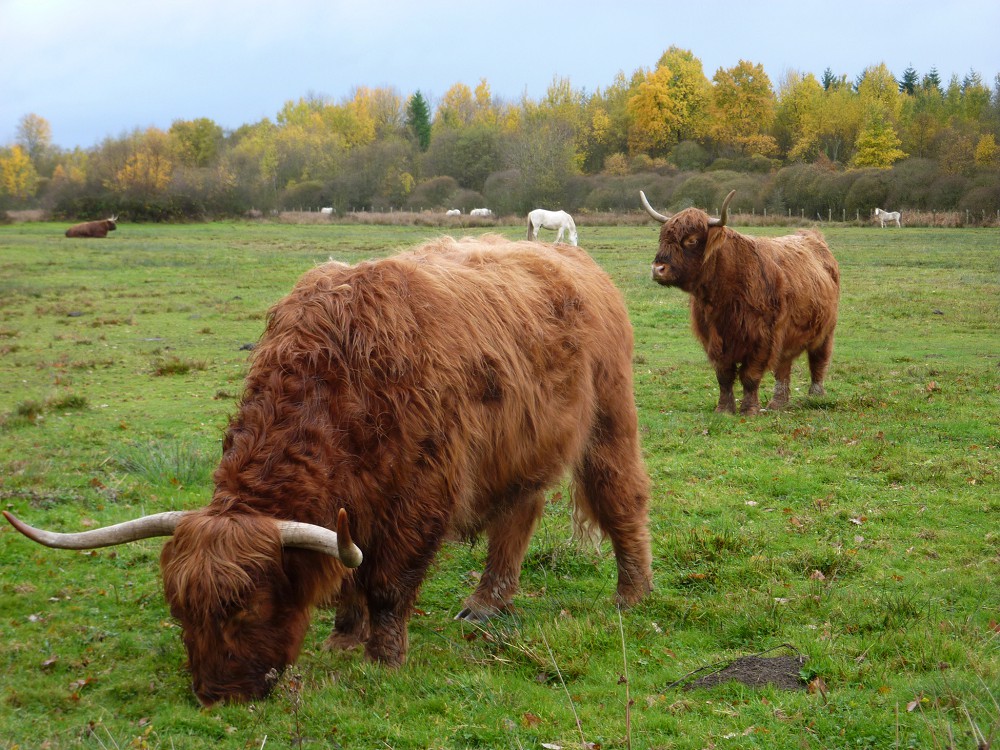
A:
[757,670]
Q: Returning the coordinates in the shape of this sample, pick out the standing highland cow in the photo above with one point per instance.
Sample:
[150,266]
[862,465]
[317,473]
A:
[431,395]
[756,303]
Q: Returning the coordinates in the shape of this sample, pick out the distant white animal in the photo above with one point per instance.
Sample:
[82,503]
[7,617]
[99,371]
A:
[453,212]
[480,212]
[890,216]
[326,210]
[540,218]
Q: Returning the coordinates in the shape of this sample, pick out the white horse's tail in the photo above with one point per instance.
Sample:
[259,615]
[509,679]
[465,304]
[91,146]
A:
[529,228]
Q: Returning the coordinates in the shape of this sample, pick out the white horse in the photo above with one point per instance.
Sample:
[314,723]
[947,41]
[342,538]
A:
[453,212]
[890,216]
[480,212]
[540,218]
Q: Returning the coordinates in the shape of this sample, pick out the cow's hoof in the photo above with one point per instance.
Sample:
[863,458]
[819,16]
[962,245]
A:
[472,615]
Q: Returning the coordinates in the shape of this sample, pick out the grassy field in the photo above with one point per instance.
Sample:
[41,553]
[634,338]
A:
[860,530]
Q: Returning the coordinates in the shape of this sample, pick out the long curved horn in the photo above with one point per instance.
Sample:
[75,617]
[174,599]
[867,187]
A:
[158,524]
[320,539]
[724,215]
[651,211]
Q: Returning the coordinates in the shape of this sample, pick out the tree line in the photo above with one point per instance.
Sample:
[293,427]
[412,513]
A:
[824,146]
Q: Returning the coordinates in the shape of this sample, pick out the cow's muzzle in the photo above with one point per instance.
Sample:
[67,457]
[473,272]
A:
[661,273]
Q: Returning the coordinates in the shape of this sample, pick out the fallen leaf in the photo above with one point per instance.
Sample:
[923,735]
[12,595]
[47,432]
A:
[817,685]
[530,720]
[817,575]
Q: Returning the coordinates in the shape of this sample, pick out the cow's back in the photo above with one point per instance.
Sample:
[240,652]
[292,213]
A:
[471,366]
[811,287]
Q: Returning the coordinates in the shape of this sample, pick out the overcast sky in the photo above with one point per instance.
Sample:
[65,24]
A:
[106,67]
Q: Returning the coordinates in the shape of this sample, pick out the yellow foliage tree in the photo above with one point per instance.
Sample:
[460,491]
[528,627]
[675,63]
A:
[691,90]
[655,115]
[456,109]
[743,106]
[147,170]
[879,88]
[987,151]
[877,144]
[798,117]
[18,178]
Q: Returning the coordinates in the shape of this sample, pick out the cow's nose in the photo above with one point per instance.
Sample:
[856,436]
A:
[658,271]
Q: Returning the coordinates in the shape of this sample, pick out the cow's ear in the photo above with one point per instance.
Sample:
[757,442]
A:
[713,241]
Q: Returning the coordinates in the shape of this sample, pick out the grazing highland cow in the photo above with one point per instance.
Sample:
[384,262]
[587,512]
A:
[756,303]
[93,228]
[426,396]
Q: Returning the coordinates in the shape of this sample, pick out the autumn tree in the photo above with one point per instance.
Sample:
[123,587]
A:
[147,169]
[799,116]
[34,135]
[196,143]
[456,108]
[744,109]
[879,89]
[691,89]
[18,178]
[655,114]
[987,152]
[877,144]
[606,123]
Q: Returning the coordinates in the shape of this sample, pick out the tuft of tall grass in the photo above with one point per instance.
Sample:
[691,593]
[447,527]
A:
[168,462]
[174,365]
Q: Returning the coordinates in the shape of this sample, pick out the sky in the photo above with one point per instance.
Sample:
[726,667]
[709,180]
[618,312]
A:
[104,68]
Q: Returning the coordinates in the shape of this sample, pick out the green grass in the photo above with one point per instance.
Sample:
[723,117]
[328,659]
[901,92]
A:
[862,528]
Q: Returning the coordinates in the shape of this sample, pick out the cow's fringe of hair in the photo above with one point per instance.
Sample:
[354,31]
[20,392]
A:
[212,558]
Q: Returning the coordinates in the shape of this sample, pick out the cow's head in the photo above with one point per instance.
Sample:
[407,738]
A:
[112,223]
[685,241]
[225,576]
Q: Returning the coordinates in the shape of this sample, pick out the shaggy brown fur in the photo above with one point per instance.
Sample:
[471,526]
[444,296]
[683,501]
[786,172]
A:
[433,395]
[92,228]
[756,303]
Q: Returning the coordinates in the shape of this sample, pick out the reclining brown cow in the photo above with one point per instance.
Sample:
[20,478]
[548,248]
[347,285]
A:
[93,228]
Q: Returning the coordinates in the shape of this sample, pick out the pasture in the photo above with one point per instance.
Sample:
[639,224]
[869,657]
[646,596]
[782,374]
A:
[860,530]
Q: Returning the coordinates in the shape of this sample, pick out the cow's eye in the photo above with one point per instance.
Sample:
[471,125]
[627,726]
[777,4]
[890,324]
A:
[691,240]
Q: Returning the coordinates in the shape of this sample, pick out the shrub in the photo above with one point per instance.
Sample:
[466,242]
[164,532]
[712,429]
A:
[437,192]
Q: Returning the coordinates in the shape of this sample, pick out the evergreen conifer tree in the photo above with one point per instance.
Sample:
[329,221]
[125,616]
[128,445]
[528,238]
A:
[418,120]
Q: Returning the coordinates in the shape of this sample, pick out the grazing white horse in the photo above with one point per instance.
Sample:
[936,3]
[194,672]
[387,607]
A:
[540,218]
[453,212]
[890,216]
[480,212]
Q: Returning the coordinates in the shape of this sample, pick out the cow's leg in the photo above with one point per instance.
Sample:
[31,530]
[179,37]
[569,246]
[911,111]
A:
[508,536]
[819,361]
[350,627]
[726,376]
[782,385]
[751,373]
[389,579]
[611,487]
